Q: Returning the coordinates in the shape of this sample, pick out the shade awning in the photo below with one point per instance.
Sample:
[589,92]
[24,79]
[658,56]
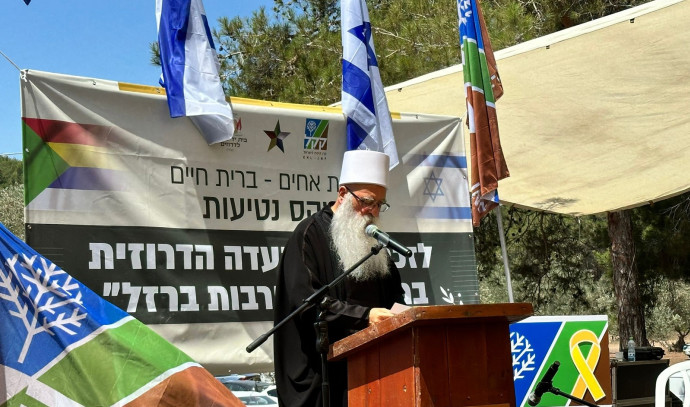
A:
[595,118]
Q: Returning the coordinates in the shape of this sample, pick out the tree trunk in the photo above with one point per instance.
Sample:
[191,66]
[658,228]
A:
[630,310]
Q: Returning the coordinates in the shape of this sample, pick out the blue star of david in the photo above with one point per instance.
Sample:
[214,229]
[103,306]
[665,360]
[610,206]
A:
[363,33]
[432,187]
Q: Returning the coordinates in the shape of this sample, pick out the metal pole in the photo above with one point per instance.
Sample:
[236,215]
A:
[504,253]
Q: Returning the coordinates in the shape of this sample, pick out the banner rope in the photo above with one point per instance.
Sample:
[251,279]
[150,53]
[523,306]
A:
[10,61]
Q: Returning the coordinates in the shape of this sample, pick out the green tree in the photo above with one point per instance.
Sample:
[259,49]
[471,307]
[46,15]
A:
[663,260]
[288,58]
[556,261]
[663,240]
[12,208]
[12,195]
[555,15]
[671,312]
[10,171]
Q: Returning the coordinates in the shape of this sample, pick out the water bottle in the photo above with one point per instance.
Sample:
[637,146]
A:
[631,350]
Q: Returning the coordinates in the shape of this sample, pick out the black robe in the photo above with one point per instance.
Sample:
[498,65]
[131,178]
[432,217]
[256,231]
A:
[307,264]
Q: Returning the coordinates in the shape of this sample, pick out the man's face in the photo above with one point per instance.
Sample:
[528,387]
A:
[366,199]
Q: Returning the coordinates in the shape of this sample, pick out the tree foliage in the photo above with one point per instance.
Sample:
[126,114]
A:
[12,195]
[670,313]
[273,59]
[664,238]
[10,171]
[562,265]
[663,260]
[293,54]
[12,208]
[557,263]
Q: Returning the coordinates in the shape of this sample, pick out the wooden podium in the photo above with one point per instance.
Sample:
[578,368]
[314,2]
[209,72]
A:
[448,355]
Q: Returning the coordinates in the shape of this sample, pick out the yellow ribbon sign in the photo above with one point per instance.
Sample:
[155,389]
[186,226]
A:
[585,367]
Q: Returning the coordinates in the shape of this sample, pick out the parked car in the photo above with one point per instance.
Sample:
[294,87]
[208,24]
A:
[271,392]
[237,385]
[246,376]
[686,349]
[262,386]
[252,398]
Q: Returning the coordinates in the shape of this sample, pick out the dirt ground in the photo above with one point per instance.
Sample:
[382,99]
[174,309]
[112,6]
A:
[675,357]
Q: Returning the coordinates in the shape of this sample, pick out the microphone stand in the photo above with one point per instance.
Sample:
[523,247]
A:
[320,325]
[558,392]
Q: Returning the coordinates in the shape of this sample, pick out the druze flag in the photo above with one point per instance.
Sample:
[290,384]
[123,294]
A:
[63,345]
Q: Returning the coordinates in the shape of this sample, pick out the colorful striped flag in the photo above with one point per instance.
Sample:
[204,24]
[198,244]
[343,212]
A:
[369,125]
[191,68]
[63,345]
[482,89]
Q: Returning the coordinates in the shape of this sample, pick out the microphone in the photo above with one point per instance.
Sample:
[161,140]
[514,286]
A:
[386,240]
[544,385]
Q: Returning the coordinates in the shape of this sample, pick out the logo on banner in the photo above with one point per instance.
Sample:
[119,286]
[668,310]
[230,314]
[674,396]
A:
[237,139]
[277,136]
[315,139]
[576,343]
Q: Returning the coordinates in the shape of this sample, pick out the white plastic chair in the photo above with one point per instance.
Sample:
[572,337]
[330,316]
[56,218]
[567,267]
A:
[660,390]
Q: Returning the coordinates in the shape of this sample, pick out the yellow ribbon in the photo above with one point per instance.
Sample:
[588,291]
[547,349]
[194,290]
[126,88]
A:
[585,367]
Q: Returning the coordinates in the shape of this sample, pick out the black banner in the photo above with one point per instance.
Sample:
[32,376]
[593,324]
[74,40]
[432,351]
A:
[170,276]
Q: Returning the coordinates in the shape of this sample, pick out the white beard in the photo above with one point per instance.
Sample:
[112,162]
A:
[352,244]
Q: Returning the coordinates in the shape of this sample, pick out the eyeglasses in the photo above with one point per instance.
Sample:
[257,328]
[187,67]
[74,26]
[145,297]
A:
[370,203]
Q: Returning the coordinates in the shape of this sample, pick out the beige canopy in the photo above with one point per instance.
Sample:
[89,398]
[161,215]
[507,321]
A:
[594,118]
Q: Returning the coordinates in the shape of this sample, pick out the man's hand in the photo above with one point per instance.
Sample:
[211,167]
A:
[377,315]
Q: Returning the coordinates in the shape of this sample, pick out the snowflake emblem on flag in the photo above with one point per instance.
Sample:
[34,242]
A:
[522,354]
[464,11]
[42,296]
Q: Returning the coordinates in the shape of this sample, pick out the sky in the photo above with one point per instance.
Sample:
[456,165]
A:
[103,39]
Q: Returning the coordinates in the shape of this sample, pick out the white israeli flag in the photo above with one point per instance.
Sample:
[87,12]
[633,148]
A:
[191,68]
[369,125]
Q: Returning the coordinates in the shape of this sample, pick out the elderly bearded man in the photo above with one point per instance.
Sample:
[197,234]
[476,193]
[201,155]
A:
[322,247]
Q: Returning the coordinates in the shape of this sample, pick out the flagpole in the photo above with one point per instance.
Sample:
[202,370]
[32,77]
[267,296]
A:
[504,253]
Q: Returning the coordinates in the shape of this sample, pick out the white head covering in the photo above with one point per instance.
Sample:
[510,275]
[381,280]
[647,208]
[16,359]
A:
[365,167]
